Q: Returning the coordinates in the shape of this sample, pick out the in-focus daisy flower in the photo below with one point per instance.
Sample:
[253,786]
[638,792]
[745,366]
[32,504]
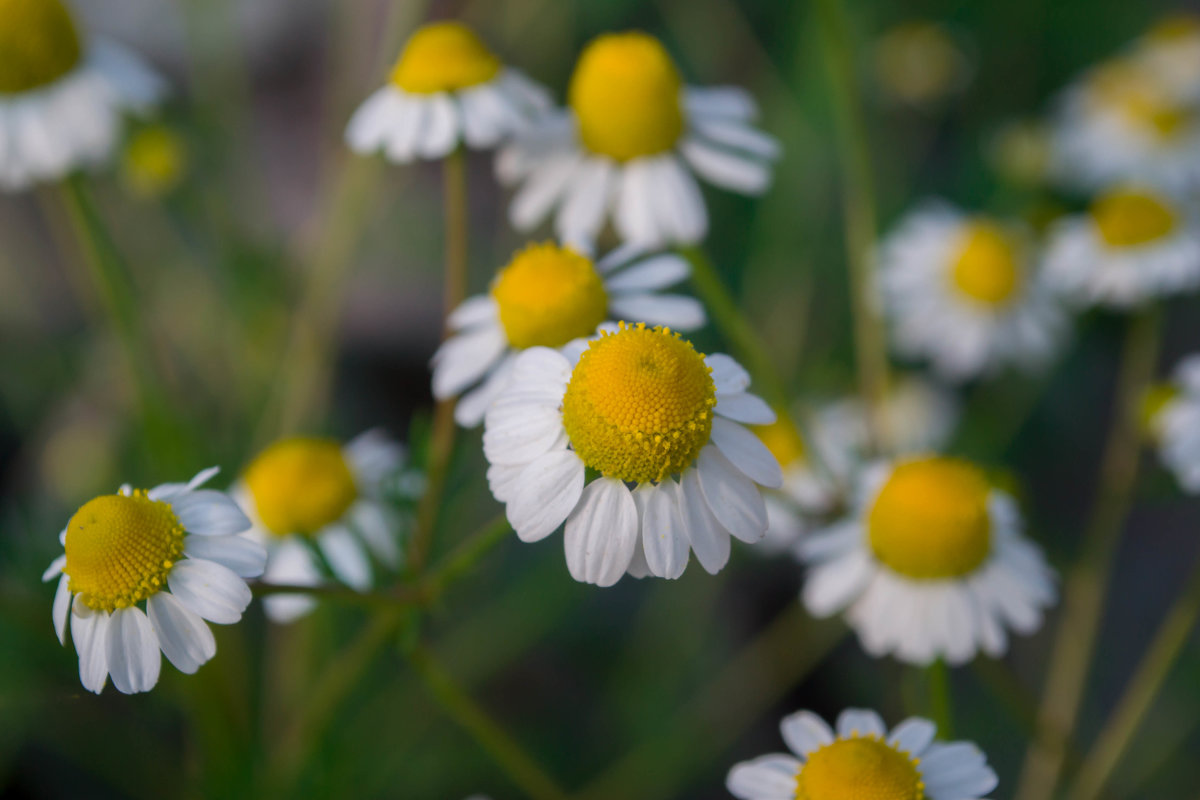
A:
[930,564]
[862,760]
[61,94]
[547,295]
[628,145]
[1174,417]
[631,438]
[920,63]
[1133,245]
[314,502]
[447,87]
[154,162]
[961,292]
[172,551]
[808,490]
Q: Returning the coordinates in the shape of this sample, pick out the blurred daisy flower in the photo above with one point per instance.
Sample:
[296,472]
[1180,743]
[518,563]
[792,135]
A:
[861,760]
[920,63]
[1020,151]
[314,500]
[174,550]
[547,295]
[1173,414]
[930,564]
[1170,50]
[155,161]
[1133,245]
[447,87]
[61,94]
[631,438]
[961,292]
[628,146]
[808,491]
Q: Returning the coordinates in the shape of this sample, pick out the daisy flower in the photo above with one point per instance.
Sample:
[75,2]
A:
[632,439]
[808,490]
[172,550]
[547,295]
[920,64]
[1175,423]
[862,759]
[930,564]
[314,502]
[961,292]
[628,145]
[447,87]
[1133,245]
[1170,50]
[61,94]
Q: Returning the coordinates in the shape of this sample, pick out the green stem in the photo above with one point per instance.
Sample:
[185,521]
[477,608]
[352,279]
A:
[507,754]
[858,202]
[1147,680]
[940,704]
[729,319]
[1084,592]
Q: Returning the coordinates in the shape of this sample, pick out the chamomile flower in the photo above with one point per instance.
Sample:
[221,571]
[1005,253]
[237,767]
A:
[447,87]
[1133,245]
[314,500]
[628,145]
[1170,50]
[807,492]
[632,439]
[861,759]
[1175,423]
[930,564]
[961,292]
[920,63]
[173,550]
[547,295]
[61,94]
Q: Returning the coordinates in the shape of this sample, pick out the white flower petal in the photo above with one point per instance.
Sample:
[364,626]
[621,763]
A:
[545,494]
[55,569]
[62,605]
[709,540]
[346,556]
[209,589]
[441,128]
[209,513]
[728,376]
[860,722]
[465,357]
[654,273]
[727,169]
[133,659]
[805,732]
[601,533]
[244,556]
[739,136]
[185,639]
[913,736]
[583,210]
[746,452]
[89,631]
[664,541]
[477,310]
[744,407]
[770,777]
[732,497]
[672,310]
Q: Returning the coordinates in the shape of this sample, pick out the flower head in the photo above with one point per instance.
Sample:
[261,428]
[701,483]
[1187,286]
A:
[1174,420]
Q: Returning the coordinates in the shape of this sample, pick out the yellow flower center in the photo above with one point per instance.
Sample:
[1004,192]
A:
[626,96]
[1154,401]
[38,44]
[548,295]
[120,549]
[930,519]
[639,404]
[783,440]
[987,268]
[1130,218]
[444,57]
[300,485]
[859,768]
[154,161]
[918,61]
[1133,91]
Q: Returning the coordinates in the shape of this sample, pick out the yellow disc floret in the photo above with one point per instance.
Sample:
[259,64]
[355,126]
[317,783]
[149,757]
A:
[859,768]
[300,485]
[548,295]
[1130,218]
[930,519]
[38,44]
[120,549]
[639,404]
[783,440]
[626,96]
[987,268]
[444,57]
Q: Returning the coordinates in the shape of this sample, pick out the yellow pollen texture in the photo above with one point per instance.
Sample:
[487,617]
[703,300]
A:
[987,269]
[626,96]
[444,57]
[639,404]
[859,768]
[548,295]
[300,485]
[120,549]
[38,44]
[1127,218]
[930,519]
[783,440]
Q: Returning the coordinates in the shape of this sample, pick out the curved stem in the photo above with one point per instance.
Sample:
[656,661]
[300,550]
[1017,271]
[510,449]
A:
[1083,596]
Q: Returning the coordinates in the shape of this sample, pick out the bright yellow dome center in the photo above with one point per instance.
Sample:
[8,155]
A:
[38,44]
[863,768]
[444,57]
[626,96]
[783,440]
[1130,218]
[300,485]
[549,295]
[930,519]
[120,549]
[987,269]
[639,404]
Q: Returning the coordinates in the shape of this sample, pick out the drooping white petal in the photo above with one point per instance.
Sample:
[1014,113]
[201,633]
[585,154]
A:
[744,407]
[654,273]
[769,777]
[465,357]
[133,659]
[739,136]
[477,310]
[746,452]
[672,310]
[209,513]
[601,533]
[545,494]
[664,541]
[346,557]
[184,637]
[709,540]
[732,497]
[209,589]
[55,569]
[244,556]
[89,631]
[62,605]
[586,202]
[165,491]
[727,169]
[441,130]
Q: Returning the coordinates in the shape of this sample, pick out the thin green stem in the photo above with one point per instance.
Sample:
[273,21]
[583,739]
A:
[941,706]
[504,750]
[1147,680]
[858,201]
[1086,583]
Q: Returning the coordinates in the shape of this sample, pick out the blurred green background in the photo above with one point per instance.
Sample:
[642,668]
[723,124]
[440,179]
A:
[278,245]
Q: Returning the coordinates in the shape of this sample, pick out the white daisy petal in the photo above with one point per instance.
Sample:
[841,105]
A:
[601,533]
[732,497]
[770,777]
[244,556]
[746,452]
[210,590]
[913,735]
[860,722]
[62,605]
[346,556]
[184,637]
[55,569]
[654,273]
[672,310]
[664,540]
[586,202]
[89,631]
[441,129]
[465,357]
[133,659]
[710,542]
[545,493]
[729,102]
[739,136]
[805,732]
[473,311]
[727,169]
[207,512]
[744,407]
[728,376]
